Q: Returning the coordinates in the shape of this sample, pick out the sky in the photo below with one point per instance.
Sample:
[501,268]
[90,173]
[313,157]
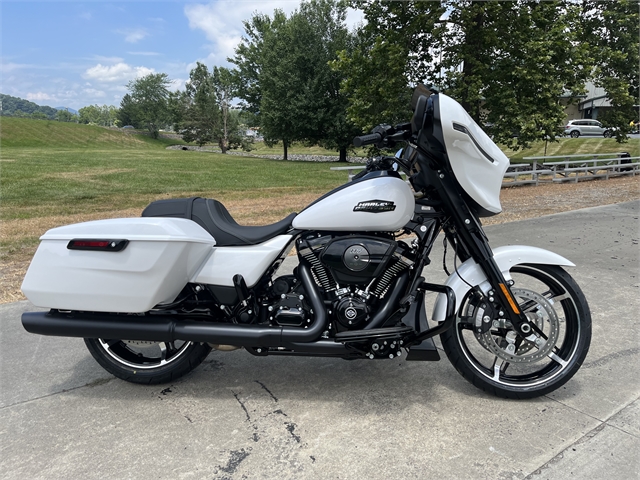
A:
[78,53]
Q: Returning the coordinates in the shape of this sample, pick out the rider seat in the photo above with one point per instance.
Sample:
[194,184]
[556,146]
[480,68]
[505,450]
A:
[214,218]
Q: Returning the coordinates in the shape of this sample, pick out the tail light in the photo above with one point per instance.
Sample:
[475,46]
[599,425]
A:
[101,245]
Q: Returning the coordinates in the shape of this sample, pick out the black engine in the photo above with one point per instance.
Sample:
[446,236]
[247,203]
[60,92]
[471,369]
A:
[354,272]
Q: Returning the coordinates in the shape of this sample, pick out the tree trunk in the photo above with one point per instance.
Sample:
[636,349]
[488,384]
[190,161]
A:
[285,144]
[225,134]
[343,154]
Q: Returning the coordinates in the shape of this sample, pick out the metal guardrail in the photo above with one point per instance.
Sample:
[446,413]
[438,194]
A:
[570,168]
[562,168]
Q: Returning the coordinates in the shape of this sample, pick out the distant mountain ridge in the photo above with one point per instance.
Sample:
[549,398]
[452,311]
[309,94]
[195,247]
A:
[18,107]
[68,109]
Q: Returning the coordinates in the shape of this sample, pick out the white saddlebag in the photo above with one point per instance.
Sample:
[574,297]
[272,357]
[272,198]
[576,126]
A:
[161,256]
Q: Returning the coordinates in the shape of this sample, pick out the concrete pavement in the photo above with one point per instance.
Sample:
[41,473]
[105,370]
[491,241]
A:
[239,416]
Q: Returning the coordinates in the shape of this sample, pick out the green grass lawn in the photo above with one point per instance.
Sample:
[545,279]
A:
[29,133]
[40,182]
[52,168]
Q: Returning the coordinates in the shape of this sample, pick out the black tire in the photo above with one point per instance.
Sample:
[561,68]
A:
[147,362]
[554,301]
[575,134]
[608,134]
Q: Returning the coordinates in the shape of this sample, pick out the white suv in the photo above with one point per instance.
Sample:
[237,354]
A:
[575,128]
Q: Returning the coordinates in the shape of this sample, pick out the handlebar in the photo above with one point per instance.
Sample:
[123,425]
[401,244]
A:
[385,136]
[370,139]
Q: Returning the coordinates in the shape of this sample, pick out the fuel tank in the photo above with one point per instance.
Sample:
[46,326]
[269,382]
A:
[379,201]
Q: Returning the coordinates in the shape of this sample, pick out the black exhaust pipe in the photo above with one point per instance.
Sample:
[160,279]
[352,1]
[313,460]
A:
[167,329]
[394,295]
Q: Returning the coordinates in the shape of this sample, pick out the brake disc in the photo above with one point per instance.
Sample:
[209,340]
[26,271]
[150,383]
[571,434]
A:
[510,346]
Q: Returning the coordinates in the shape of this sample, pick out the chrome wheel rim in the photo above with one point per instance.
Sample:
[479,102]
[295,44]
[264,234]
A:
[142,355]
[527,365]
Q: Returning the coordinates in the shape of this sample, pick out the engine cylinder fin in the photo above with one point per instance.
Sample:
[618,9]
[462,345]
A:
[392,271]
[320,273]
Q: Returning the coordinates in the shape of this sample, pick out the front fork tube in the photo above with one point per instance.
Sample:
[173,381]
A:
[506,301]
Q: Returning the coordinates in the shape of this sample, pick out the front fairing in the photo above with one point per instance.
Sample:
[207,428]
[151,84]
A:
[450,134]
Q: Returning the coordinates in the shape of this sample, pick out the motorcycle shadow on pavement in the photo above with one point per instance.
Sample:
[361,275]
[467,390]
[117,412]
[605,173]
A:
[377,386]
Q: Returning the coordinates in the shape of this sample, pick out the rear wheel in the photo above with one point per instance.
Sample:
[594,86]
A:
[503,363]
[147,362]
[575,134]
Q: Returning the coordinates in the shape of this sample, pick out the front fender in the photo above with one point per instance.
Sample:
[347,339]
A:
[506,258]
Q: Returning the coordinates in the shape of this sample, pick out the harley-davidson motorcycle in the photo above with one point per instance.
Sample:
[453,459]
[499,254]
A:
[152,296]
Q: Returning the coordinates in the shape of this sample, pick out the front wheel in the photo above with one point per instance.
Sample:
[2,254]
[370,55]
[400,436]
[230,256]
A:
[147,362]
[608,134]
[500,361]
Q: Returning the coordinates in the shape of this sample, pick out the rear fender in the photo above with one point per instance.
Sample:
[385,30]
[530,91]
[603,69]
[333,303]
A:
[506,258]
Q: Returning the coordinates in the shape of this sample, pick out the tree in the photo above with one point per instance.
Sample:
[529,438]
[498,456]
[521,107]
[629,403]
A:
[203,114]
[391,51]
[224,88]
[127,111]
[375,84]
[321,23]
[285,77]
[105,115]
[66,116]
[149,95]
[519,59]
[249,60]
[508,63]
[267,87]
[612,29]
[196,112]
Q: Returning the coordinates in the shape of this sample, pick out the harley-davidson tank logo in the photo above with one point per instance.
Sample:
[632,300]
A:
[375,206]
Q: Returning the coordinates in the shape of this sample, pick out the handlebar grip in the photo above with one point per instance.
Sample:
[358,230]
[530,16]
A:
[367,139]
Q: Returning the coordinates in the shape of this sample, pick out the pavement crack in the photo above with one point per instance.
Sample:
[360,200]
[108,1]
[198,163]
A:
[246,412]
[585,438]
[591,416]
[94,383]
[267,390]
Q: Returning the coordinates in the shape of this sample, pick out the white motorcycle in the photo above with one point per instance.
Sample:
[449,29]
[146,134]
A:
[152,296]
